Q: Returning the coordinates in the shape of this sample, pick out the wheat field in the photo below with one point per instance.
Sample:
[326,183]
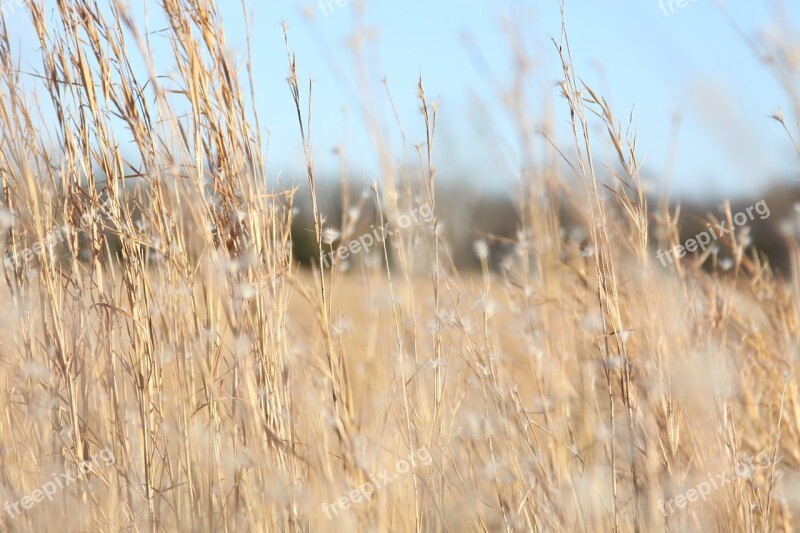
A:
[167,364]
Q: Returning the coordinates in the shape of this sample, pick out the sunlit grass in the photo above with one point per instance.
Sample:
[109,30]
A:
[577,386]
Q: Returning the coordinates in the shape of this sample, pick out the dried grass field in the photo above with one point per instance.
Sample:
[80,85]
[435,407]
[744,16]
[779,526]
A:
[167,364]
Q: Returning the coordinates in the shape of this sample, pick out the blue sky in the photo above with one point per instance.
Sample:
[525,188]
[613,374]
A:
[690,62]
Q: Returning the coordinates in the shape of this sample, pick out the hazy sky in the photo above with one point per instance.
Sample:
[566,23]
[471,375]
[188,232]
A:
[689,62]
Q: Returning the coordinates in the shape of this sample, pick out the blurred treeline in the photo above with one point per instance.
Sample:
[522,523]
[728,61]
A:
[469,215]
[472,219]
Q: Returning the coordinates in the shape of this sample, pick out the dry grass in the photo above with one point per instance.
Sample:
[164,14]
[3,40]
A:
[237,392]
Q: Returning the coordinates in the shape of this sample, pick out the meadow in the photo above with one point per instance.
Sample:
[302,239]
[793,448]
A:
[234,378]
